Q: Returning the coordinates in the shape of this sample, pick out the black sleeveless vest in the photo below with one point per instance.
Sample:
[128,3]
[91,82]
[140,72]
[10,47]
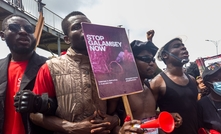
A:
[183,100]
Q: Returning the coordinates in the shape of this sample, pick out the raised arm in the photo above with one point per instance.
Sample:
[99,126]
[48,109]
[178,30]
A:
[150,35]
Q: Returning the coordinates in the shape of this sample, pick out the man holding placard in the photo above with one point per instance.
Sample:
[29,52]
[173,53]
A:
[69,78]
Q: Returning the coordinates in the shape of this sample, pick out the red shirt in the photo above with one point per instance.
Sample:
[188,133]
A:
[44,83]
[13,122]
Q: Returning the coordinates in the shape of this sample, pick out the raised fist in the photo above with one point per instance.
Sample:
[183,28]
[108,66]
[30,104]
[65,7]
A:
[150,35]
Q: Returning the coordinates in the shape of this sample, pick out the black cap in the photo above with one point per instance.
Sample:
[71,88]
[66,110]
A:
[138,46]
[210,70]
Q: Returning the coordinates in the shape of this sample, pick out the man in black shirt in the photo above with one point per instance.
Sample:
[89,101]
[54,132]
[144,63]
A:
[174,90]
[209,107]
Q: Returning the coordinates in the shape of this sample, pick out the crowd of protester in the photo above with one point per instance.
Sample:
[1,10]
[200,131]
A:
[59,95]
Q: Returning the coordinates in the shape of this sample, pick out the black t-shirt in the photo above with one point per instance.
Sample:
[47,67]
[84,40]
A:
[183,100]
[209,116]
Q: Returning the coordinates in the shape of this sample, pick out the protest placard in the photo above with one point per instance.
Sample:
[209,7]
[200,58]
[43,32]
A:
[112,61]
[206,61]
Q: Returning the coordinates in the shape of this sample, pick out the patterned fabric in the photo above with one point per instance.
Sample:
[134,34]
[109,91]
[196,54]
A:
[150,130]
[203,63]
[213,66]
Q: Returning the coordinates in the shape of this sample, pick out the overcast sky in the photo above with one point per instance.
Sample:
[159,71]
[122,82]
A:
[194,20]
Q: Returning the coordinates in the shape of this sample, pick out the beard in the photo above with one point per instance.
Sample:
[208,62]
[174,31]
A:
[22,50]
[80,48]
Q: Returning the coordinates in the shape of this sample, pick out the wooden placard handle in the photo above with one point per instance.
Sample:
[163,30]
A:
[127,106]
[38,29]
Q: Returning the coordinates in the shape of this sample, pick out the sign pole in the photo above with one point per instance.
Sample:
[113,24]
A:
[127,106]
[40,23]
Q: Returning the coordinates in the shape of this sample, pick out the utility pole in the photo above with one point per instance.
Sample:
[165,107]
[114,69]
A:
[216,43]
[128,32]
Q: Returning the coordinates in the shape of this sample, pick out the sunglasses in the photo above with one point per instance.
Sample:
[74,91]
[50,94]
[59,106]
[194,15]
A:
[16,28]
[146,59]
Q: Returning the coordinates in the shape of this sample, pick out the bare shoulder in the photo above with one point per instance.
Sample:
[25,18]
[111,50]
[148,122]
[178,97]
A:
[156,82]
[157,86]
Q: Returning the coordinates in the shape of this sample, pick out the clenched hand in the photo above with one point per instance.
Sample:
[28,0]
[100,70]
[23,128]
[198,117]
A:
[128,128]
